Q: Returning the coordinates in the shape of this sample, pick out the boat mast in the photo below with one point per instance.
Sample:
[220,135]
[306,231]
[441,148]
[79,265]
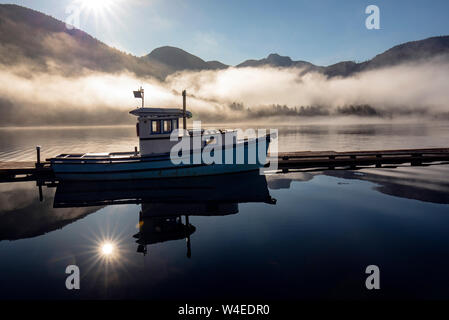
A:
[140,94]
[184,120]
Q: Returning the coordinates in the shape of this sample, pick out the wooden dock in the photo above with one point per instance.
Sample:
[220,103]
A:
[352,159]
[11,171]
[31,171]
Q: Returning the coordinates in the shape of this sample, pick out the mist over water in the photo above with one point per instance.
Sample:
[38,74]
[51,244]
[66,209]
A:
[18,144]
[235,94]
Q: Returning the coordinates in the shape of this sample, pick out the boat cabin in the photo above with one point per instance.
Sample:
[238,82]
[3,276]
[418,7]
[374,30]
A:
[154,127]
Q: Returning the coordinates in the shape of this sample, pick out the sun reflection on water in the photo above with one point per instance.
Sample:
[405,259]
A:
[107,249]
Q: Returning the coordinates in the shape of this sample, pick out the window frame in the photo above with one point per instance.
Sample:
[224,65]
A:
[160,127]
[170,122]
[175,121]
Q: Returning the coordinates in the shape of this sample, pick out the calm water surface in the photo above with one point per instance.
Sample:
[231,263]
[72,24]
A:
[19,144]
[283,236]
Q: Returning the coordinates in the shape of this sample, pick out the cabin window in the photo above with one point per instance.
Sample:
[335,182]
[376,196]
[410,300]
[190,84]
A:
[167,126]
[156,126]
[175,124]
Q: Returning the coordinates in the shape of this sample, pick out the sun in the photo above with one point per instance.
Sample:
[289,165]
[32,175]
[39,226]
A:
[97,5]
[107,249]
[103,15]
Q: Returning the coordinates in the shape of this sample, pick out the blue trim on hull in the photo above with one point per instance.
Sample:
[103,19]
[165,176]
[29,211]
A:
[178,171]
[157,167]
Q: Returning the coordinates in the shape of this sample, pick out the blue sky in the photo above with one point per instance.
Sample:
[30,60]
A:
[320,31]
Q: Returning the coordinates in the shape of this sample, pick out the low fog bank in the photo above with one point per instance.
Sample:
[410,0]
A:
[418,90]
[406,90]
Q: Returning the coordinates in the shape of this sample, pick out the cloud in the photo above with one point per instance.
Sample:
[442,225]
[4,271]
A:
[407,87]
[218,95]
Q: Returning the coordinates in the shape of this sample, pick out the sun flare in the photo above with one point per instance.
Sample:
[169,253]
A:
[107,249]
[97,5]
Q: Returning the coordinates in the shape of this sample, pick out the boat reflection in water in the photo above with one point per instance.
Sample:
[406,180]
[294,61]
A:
[165,202]
[160,229]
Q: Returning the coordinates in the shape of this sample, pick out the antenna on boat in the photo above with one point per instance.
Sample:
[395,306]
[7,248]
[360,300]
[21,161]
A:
[184,119]
[140,94]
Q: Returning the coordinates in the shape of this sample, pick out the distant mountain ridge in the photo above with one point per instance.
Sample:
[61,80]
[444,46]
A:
[45,44]
[275,60]
[406,52]
[177,60]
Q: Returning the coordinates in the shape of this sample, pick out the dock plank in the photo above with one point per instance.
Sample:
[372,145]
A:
[12,165]
[332,159]
[318,154]
[11,171]
[16,170]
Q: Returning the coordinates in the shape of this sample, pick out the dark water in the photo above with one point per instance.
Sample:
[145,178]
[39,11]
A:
[286,236]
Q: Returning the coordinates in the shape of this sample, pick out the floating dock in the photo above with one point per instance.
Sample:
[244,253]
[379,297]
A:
[35,171]
[352,159]
[24,171]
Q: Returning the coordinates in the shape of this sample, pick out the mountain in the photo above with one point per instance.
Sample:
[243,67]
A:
[43,43]
[344,68]
[275,60]
[176,59]
[217,64]
[414,51]
[408,52]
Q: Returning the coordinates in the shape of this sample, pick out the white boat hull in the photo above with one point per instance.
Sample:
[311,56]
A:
[160,166]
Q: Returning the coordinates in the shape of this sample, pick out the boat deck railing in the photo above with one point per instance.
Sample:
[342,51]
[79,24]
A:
[96,155]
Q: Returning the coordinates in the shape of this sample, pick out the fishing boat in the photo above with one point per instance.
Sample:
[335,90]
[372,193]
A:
[159,135]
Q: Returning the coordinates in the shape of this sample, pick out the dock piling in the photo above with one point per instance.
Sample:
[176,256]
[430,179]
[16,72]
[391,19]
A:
[38,156]
[184,119]
[39,184]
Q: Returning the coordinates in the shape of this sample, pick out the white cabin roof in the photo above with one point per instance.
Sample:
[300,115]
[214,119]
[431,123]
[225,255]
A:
[160,113]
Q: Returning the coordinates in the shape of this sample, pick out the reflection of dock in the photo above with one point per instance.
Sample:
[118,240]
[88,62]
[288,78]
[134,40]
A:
[29,171]
[11,171]
[352,159]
